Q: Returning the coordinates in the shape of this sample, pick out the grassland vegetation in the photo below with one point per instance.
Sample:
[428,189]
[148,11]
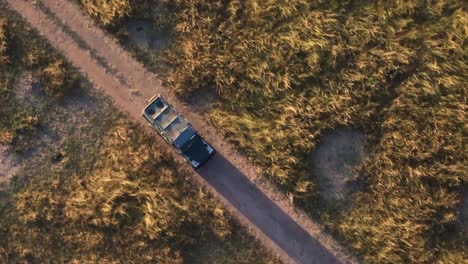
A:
[394,70]
[106,11]
[93,188]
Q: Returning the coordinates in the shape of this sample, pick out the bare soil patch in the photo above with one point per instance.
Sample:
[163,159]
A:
[145,36]
[28,93]
[71,117]
[334,162]
[8,165]
[202,101]
[27,88]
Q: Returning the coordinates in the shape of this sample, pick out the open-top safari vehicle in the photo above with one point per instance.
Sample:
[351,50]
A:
[177,131]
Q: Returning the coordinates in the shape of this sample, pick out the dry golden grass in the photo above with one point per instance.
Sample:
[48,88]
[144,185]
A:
[106,11]
[134,201]
[112,196]
[53,78]
[396,70]
[3,46]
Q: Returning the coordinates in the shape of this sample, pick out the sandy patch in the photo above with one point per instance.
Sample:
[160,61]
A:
[334,162]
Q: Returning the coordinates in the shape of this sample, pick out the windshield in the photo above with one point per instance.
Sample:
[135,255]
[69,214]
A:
[182,138]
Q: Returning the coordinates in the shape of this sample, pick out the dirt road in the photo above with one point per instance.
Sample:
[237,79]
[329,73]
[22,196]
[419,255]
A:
[265,212]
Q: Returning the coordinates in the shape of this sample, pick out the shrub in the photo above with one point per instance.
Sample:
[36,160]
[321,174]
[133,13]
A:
[52,79]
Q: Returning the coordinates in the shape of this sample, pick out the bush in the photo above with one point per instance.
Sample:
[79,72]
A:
[52,79]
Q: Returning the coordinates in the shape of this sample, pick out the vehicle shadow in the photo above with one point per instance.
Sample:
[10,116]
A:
[236,188]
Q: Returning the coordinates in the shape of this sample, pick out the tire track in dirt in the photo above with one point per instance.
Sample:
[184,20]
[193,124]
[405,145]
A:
[258,205]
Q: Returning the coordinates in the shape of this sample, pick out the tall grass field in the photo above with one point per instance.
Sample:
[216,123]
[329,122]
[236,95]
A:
[90,186]
[288,73]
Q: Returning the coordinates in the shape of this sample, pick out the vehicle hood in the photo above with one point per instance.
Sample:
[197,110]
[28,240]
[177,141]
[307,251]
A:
[197,150]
